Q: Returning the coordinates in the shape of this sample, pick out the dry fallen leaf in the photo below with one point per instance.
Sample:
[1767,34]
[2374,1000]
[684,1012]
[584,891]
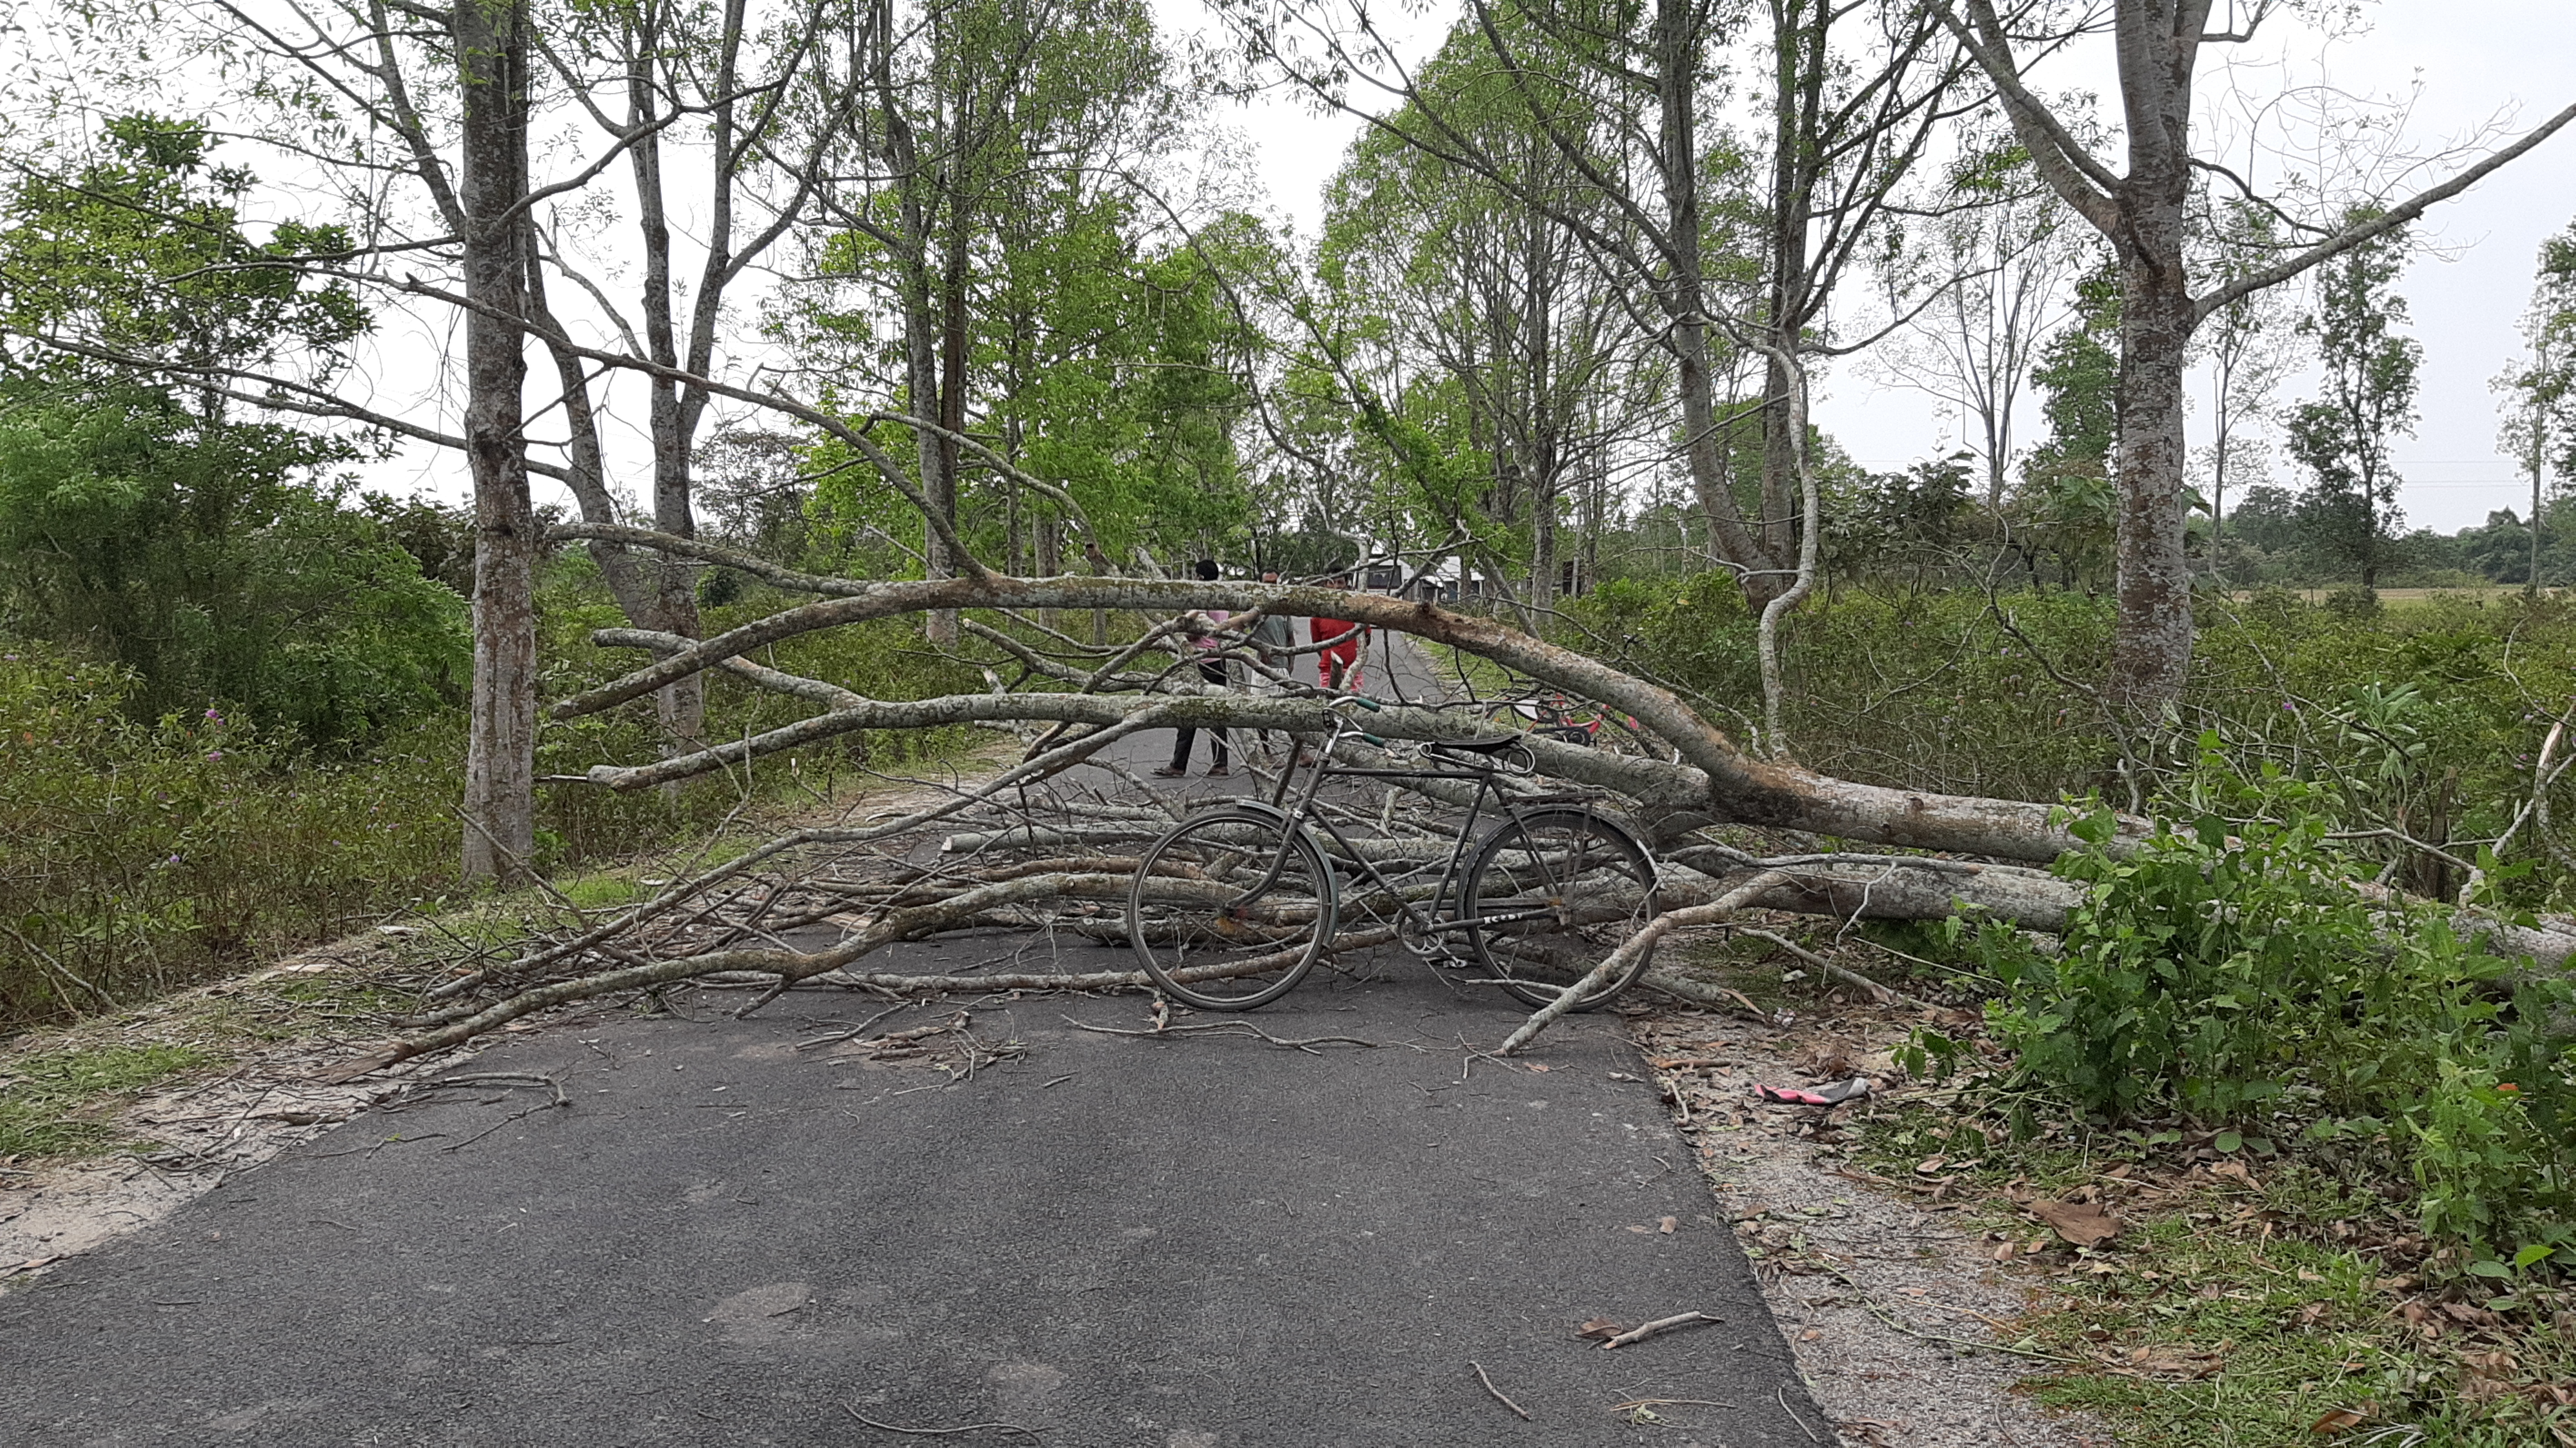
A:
[1930,1164]
[2166,1362]
[2340,1420]
[1600,1327]
[1535,1066]
[1669,1225]
[2081,1223]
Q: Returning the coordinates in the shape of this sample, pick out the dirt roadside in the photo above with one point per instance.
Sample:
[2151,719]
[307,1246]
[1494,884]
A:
[1899,1314]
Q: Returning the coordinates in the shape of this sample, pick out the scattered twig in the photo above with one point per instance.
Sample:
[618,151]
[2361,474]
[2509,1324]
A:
[853,1032]
[1498,1393]
[1884,995]
[942,1432]
[1306,1044]
[1781,1393]
[1659,1326]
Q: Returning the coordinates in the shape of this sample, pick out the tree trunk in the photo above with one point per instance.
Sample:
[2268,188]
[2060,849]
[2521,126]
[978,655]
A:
[1678,61]
[2153,646]
[2158,48]
[500,759]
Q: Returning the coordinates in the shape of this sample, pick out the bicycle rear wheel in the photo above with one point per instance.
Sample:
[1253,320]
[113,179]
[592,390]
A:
[1229,910]
[1551,894]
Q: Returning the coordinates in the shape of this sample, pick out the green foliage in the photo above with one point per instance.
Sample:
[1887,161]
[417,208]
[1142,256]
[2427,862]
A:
[2078,378]
[2240,973]
[134,855]
[2538,425]
[189,554]
[137,856]
[1113,372]
[2343,437]
[142,253]
[139,522]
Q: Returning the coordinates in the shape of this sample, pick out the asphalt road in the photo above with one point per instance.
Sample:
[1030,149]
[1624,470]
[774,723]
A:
[1194,1242]
[1180,1243]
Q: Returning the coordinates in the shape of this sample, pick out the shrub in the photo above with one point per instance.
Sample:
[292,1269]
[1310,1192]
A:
[2240,973]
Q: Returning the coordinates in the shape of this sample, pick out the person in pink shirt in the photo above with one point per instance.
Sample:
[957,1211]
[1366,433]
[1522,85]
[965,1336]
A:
[1214,670]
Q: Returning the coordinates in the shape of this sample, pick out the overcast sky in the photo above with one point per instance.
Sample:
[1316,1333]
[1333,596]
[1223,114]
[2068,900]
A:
[2478,62]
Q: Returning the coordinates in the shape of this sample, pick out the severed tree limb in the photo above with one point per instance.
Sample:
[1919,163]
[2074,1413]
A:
[1716,912]
[1729,783]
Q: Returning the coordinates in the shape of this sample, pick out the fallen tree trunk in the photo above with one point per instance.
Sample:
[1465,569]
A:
[1711,777]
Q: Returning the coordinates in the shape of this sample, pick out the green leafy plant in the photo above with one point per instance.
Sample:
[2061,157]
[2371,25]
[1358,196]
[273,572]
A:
[2243,974]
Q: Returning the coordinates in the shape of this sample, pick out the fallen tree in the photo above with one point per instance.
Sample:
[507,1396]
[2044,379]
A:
[1030,850]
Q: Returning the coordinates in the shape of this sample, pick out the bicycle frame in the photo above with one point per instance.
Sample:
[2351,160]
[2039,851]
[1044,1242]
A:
[1426,921]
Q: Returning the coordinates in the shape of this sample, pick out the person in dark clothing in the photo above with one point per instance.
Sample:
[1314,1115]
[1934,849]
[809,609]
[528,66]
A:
[1213,669]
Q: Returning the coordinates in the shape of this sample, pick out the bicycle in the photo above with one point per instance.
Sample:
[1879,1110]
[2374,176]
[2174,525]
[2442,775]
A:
[1231,907]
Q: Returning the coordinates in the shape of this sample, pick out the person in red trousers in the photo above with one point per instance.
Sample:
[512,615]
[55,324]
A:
[1342,638]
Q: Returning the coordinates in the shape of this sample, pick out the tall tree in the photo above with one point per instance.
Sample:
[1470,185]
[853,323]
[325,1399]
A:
[1849,97]
[2143,211]
[1996,254]
[492,82]
[949,118]
[2343,437]
[141,517]
[697,100]
[1488,320]
[2248,345]
[2538,426]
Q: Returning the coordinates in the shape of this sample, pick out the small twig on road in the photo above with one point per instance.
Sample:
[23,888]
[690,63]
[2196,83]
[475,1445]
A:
[1645,1330]
[942,1432]
[1781,1392]
[853,1032]
[494,1078]
[1498,1393]
[1307,1045]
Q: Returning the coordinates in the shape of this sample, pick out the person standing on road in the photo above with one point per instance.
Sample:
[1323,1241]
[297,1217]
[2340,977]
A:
[1274,635]
[1342,639]
[1204,628]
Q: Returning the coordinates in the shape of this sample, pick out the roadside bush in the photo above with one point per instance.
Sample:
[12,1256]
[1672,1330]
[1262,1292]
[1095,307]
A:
[2239,973]
[2427,717]
[135,857]
[204,560]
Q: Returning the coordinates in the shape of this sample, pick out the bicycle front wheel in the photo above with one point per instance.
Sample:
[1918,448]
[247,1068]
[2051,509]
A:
[1229,910]
[1551,894]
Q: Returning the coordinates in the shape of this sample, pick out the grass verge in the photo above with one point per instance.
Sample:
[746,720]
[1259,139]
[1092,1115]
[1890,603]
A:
[2243,1299]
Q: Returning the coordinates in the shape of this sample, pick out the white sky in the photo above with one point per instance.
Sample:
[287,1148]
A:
[2473,63]
[2478,62]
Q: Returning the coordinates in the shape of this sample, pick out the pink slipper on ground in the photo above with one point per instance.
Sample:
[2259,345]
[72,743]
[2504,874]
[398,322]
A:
[1834,1095]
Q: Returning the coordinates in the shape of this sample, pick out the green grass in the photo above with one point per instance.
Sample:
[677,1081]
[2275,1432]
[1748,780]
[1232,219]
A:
[2253,1300]
[49,1100]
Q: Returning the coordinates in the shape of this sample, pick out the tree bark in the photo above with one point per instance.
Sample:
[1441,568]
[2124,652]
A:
[500,766]
[2152,647]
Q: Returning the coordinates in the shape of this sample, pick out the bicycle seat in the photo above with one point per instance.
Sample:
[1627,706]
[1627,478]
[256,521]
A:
[1481,744]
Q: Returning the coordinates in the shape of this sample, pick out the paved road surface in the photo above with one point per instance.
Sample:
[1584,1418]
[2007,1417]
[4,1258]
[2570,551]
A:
[1173,1243]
